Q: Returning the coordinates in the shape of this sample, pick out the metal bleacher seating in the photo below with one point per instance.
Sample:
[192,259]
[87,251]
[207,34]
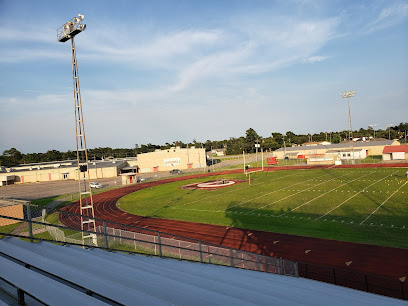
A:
[70,275]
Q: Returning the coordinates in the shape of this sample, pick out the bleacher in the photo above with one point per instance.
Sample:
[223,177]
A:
[70,275]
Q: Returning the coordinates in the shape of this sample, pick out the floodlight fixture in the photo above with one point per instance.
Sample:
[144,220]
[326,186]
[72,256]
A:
[71,28]
[348,95]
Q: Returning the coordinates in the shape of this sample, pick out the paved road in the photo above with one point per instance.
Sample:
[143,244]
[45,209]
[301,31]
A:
[31,191]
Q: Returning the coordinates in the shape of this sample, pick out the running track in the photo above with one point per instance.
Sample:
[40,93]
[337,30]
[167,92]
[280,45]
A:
[367,259]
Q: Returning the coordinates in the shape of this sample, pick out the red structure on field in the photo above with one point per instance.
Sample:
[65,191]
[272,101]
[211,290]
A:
[272,160]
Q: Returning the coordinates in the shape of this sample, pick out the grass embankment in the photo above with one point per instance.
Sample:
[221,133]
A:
[365,205]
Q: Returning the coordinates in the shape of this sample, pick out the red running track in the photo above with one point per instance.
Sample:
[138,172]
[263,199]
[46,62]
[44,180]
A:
[367,259]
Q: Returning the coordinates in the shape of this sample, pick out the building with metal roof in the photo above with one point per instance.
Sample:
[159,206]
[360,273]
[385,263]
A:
[371,147]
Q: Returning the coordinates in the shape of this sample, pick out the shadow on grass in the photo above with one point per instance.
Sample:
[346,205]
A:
[342,228]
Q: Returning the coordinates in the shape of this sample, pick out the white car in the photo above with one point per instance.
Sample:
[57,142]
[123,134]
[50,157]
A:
[95,185]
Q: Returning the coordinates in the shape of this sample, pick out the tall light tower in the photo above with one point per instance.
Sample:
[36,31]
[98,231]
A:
[373,127]
[348,95]
[67,32]
[389,130]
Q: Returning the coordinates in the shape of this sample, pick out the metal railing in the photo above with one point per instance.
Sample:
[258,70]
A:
[131,239]
[110,235]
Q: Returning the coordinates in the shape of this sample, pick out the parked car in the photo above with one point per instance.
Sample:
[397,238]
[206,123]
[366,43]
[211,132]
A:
[175,171]
[96,185]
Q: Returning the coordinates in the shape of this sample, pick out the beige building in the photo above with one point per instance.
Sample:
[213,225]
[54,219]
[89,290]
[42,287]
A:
[59,171]
[371,148]
[173,158]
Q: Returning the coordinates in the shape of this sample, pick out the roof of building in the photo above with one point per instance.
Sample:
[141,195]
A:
[349,149]
[394,149]
[343,145]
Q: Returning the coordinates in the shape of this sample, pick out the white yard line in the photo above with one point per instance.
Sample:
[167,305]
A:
[233,190]
[269,193]
[354,195]
[290,195]
[383,203]
[323,194]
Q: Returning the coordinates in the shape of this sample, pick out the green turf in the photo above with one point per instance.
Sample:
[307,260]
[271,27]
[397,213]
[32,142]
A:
[366,205]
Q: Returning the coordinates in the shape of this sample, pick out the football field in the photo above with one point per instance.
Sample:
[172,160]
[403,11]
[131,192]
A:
[366,205]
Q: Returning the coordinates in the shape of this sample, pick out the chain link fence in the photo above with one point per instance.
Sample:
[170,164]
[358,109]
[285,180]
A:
[30,222]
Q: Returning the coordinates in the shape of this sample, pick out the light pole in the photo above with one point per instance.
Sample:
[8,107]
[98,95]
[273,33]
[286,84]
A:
[348,95]
[389,130]
[67,32]
[373,127]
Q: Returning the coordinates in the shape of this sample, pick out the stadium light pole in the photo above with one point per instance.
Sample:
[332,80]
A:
[389,130]
[373,127]
[64,33]
[348,95]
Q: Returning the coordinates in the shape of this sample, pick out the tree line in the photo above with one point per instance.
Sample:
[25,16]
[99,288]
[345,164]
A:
[233,145]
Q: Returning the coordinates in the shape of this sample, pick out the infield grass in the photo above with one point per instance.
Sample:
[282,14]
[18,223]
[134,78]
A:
[365,205]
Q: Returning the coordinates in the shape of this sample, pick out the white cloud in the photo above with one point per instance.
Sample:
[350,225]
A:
[388,17]
[316,59]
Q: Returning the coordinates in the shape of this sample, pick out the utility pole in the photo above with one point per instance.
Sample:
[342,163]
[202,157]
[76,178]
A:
[67,32]
[348,95]
[256,148]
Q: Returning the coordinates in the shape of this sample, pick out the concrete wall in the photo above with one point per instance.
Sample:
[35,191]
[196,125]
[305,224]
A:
[174,158]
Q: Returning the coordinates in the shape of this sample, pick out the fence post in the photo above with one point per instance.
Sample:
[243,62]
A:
[30,225]
[366,282]
[232,258]
[307,275]
[296,269]
[402,290]
[201,251]
[159,242]
[105,235]
[258,267]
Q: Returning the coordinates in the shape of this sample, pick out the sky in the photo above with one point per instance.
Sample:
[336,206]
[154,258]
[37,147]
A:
[164,71]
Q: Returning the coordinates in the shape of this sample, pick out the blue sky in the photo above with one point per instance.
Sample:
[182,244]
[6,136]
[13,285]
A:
[161,71]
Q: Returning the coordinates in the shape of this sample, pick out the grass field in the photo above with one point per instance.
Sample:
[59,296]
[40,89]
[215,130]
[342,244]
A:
[366,205]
